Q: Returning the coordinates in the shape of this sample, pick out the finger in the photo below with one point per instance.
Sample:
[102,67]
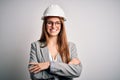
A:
[70,63]
[78,61]
[74,61]
[33,67]
[35,70]
[33,63]
[38,70]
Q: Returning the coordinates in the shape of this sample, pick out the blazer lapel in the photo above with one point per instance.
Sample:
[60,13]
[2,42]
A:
[45,53]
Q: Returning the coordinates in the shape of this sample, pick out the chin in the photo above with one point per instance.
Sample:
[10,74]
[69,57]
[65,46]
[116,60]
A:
[54,35]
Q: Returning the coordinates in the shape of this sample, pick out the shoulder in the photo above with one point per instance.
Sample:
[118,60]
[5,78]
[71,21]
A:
[34,43]
[71,44]
[73,50]
[38,43]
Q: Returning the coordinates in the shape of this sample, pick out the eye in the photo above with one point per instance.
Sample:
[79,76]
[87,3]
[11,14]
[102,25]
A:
[58,23]
[49,22]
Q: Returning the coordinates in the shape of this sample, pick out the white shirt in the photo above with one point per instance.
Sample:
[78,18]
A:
[51,58]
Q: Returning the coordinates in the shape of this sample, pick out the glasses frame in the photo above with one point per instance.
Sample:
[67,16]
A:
[51,23]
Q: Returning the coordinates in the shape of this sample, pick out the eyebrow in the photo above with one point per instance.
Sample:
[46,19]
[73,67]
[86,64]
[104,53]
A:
[52,21]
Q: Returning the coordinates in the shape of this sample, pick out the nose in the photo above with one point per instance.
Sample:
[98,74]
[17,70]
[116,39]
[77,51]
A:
[53,25]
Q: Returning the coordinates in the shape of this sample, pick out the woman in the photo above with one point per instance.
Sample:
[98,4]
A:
[52,57]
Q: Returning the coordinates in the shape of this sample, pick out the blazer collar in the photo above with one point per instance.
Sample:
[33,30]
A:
[44,51]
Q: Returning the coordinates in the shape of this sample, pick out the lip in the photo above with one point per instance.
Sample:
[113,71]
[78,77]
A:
[53,30]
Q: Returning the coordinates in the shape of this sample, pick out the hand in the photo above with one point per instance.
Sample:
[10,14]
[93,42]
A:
[37,67]
[74,61]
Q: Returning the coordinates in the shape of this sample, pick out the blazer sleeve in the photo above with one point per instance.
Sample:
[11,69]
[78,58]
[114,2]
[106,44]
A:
[33,52]
[67,70]
[33,58]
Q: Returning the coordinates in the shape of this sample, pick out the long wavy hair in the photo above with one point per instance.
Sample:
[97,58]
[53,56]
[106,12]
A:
[62,42]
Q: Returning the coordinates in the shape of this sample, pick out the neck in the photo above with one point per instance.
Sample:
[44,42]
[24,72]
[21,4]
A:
[52,41]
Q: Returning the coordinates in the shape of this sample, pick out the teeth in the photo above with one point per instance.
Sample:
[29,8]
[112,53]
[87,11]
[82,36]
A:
[53,30]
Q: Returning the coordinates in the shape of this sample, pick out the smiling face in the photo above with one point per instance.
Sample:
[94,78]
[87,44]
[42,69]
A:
[53,26]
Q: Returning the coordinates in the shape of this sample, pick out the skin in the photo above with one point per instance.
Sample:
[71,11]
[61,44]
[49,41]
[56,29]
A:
[53,29]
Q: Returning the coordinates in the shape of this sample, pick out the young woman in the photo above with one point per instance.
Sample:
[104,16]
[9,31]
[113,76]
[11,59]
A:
[53,57]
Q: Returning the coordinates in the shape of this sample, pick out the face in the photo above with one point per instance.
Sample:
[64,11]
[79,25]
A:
[53,26]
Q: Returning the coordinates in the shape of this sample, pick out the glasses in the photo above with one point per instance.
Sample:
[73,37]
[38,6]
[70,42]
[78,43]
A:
[50,23]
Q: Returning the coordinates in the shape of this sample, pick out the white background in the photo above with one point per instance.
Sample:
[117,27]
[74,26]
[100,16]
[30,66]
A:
[93,25]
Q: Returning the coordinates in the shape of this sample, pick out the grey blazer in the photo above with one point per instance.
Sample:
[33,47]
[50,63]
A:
[57,70]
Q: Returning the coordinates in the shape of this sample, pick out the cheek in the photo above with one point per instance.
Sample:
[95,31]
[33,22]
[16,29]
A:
[48,28]
[59,28]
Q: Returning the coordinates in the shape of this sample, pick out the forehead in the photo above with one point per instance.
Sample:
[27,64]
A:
[53,18]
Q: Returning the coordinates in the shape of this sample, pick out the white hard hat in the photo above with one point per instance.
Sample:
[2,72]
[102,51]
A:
[54,10]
